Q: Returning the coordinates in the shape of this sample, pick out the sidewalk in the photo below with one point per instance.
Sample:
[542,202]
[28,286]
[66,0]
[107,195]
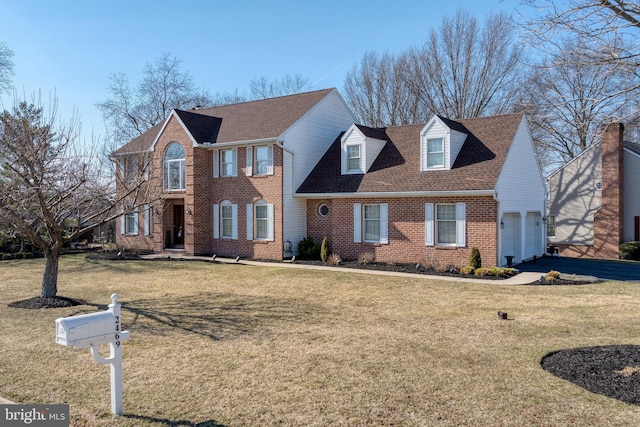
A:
[519,279]
[6,402]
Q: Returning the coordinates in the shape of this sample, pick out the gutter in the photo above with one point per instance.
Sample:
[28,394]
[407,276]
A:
[212,145]
[397,194]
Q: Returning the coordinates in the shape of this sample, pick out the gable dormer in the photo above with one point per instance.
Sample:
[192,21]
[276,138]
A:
[440,144]
[360,146]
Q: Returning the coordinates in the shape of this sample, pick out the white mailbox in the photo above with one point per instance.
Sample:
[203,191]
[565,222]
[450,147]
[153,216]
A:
[92,330]
[86,329]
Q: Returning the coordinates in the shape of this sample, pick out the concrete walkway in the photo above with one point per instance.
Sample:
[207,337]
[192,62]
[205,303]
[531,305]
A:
[6,402]
[523,278]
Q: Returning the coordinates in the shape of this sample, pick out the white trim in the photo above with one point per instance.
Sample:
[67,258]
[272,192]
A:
[250,221]
[357,223]
[216,221]
[461,224]
[428,224]
[220,145]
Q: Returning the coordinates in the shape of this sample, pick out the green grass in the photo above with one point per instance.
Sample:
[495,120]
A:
[233,345]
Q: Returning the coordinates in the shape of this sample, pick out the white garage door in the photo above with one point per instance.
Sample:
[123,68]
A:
[532,235]
[510,238]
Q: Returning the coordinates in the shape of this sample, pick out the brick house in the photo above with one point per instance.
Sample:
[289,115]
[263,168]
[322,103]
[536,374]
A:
[255,178]
[593,202]
[429,192]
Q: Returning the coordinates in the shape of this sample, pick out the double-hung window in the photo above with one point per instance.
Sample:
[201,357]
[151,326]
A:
[370,223]
[260,221]
[225,220]
[435,153]
[259,160]
[225,162]
[128,222]
[445,224]
[353,158]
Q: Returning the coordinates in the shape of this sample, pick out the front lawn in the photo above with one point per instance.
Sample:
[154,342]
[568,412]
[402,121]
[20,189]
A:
[235,345]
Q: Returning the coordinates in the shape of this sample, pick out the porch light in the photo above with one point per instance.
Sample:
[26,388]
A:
[501,224]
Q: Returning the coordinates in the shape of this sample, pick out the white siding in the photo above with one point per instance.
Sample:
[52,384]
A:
[520,190]
[456,142]
[631,193]
[306,142]
[435,129]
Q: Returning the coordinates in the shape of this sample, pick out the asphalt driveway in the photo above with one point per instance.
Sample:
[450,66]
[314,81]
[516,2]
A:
[602,269]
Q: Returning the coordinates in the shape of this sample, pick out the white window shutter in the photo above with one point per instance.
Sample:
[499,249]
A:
[235,162]
[135,222]
[216,221]
[461,223]
[357,222]
[145,217]
[216,163]
[121,219]
[384,223]
[428,224]
[234,222]
[249,222]
[270,167]
[270,223]
[249,162]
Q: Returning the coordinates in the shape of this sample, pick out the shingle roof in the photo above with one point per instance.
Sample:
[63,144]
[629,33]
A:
[397,167]
[266,118]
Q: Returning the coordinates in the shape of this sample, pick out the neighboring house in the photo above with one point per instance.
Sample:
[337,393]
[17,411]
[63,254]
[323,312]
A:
[594,204]
[253,179]
[428,193]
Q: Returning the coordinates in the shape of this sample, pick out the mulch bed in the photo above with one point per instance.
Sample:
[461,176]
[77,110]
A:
[612,371]
[53,302]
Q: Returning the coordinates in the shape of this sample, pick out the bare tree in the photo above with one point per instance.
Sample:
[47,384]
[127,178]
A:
[569,99]
[131,111]
[262,88]
[463,70]
[381,93]
[6,67]
[53,189]
[468,70]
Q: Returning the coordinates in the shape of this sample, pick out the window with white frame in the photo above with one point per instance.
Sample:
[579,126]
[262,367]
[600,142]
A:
[370,223]
[225,162]
[225,220]
[131,223]
[260,221]
[445,224]
[435,153]
[263,160]
[353,158]
[551,226]
[174,167]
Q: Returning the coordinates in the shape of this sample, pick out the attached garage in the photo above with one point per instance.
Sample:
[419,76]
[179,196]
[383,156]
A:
[532,235]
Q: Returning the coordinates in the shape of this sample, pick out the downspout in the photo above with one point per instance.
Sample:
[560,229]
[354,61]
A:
[498,228]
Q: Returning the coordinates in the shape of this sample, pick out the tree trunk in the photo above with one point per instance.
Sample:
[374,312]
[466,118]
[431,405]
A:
[50,277]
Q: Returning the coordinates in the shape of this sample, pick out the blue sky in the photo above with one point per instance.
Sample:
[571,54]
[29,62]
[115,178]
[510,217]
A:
[71,47]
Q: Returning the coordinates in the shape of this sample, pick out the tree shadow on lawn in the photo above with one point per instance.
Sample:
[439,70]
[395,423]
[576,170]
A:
[173,423]
[216,316]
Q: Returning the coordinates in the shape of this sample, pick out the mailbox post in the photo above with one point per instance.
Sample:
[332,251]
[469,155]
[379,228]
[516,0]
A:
[92,330]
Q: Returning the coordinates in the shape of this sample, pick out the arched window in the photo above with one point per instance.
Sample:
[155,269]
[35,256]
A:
[174,167]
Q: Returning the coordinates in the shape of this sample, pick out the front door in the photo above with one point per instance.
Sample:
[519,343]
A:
[178,226]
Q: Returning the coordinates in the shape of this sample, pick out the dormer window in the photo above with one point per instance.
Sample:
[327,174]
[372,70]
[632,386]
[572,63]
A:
[440,142]
[353,158]
[435,153]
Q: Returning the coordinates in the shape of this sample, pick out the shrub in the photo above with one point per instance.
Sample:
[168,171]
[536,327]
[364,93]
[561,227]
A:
[366,258]
[630,251]
[474,258]
[7,256]
[334,259]
[482,271]
[324,250]
[467,270]
[551,276]
[308,249]
[24,255]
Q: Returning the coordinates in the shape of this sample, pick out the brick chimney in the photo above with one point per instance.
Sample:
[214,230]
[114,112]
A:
[608,221]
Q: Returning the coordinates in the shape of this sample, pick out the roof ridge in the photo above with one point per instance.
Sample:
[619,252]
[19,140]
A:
[201,110]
